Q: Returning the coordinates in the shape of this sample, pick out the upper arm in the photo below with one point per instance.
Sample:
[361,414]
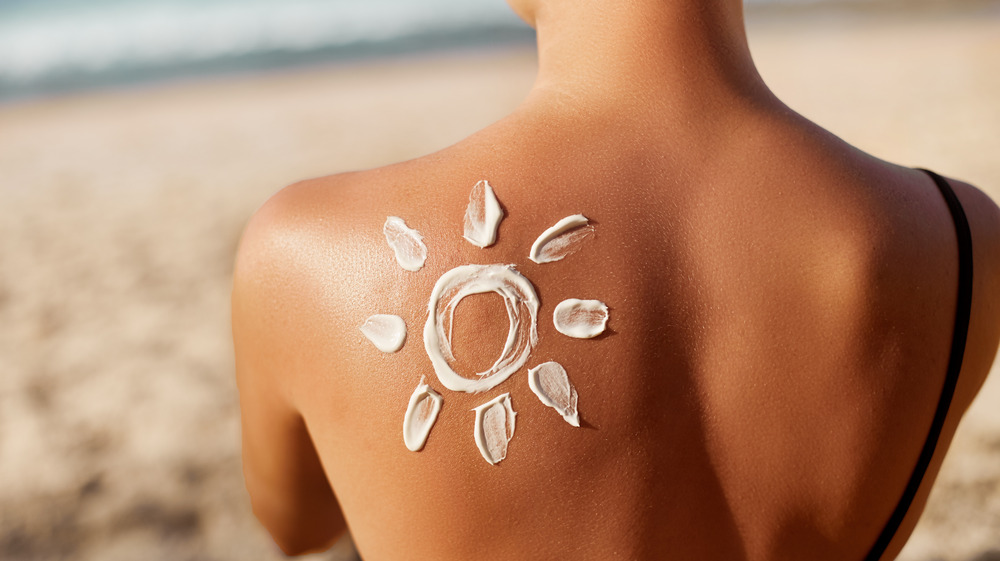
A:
[288,488]
[984,324]
[981,346]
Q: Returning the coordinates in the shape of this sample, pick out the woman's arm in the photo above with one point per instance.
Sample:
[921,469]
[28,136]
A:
[288,488]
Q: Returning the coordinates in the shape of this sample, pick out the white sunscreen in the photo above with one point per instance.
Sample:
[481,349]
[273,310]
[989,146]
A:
[425,404]
[582,319]
[387,332]
[406,243]
[561,240]
[483,215]
[494,428]
[521,302]
[551,384]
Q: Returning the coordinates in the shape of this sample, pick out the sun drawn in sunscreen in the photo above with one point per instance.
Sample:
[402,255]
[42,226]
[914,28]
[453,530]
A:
[582,319]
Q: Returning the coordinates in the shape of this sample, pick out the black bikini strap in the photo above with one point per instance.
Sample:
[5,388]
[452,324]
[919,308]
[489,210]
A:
[962,310]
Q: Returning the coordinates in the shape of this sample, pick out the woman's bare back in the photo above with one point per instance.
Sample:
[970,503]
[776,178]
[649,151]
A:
[781,314]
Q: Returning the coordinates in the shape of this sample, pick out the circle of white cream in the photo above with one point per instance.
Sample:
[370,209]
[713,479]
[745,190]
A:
[521,302]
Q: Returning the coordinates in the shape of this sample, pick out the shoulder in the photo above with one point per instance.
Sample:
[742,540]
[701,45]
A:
[308,262]
[297,210]
[984,220]
[280,239]
[302,227]
[291,251]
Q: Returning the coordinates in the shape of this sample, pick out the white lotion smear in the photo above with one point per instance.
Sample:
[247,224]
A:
[386,332]
[494,428]
[425,404]
[519,298]
[406,243]
[582,319]
[561,240]
[551,384]
[483,215]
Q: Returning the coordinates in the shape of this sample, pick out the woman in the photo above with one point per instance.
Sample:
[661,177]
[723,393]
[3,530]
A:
[795,327]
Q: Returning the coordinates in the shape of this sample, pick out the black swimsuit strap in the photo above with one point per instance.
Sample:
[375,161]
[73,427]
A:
[962,310]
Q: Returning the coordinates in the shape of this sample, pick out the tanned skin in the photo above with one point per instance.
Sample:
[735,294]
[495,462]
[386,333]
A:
[782,309]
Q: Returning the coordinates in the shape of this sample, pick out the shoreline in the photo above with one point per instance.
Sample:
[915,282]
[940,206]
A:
[266,63]
[483,38]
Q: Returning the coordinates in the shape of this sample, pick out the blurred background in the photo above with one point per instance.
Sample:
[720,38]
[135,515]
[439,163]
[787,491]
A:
[138,136]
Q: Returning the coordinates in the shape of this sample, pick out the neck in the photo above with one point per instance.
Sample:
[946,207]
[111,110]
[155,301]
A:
[649,53]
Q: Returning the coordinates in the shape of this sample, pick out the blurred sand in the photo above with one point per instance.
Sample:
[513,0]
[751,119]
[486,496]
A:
[120,214]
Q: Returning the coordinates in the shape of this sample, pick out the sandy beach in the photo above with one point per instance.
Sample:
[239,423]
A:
[120,213]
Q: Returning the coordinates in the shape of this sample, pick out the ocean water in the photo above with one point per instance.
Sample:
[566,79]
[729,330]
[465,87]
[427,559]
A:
[53,46]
